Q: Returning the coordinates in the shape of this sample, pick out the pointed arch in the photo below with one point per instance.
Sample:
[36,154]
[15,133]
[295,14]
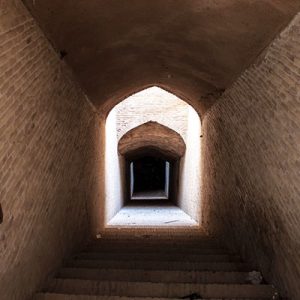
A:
[152,137]
[132,132]
[165,88]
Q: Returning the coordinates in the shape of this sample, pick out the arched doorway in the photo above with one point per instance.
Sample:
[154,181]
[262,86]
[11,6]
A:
[153,128]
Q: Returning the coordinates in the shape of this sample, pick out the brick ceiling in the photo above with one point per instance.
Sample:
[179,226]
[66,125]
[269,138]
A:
[149,138]
[195,49]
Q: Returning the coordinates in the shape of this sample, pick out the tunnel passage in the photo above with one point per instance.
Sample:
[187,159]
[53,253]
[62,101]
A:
[149,178]
[52,157]
[152,151]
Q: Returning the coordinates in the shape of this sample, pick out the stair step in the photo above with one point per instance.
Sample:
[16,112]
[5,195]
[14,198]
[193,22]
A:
[154,275]
[160,290]
[159,265]
[158,243]
[163,240]
[181,250]
[170,236]
[158,257]
[54,296]
[155,269]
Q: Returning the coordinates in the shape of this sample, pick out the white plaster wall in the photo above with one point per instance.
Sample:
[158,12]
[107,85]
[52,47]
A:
[114,170]
[189,198]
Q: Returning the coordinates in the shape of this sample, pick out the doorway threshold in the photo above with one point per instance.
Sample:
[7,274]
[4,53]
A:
[150,195]
[152,216]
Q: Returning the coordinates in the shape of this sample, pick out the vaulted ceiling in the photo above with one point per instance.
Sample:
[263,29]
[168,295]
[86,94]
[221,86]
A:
[152,137]
[194,48]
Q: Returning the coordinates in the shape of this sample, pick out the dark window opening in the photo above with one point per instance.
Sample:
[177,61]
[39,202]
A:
[149,178]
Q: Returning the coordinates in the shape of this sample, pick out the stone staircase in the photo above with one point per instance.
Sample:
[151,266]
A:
[146,268]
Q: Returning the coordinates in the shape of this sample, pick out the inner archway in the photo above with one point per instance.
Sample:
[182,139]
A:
[152,153]
[153,135]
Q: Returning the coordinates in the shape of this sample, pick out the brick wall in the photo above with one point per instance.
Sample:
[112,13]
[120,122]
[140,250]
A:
[46,129]
[153,104]
[251,151]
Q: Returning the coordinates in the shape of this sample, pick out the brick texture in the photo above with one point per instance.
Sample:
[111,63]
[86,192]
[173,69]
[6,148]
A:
[45,131]
[52,160]
[251,151]
[153,104]
[152,134]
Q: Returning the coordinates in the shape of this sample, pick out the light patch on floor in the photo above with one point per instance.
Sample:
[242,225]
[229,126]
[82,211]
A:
[150,195]
[162,216]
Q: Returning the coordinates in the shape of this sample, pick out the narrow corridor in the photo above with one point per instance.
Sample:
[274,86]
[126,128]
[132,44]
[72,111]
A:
[149,149]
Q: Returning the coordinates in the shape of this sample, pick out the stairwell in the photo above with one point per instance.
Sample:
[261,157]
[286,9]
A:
[156,268]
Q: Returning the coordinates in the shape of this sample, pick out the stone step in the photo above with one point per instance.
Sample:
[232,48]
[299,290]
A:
[153,247]
[159,243]
[54,296]
[165,235]
[157,257]
[154,275]
[156,242]
[160,290]
[159,265]
[181,250]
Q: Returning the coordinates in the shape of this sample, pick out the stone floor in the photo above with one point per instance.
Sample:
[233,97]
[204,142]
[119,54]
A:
[150,195]
[152,216]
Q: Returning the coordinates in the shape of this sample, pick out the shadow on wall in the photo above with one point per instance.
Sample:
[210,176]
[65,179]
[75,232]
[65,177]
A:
[1,214]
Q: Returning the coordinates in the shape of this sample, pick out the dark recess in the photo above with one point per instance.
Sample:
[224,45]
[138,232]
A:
[149,174]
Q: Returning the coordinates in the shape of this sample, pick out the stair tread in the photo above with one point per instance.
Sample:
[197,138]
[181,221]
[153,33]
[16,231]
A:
[155,275]
[157,256]
[123,288]
[156,269]
[163,241]
[161,265]
[206,250]
[55,296]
